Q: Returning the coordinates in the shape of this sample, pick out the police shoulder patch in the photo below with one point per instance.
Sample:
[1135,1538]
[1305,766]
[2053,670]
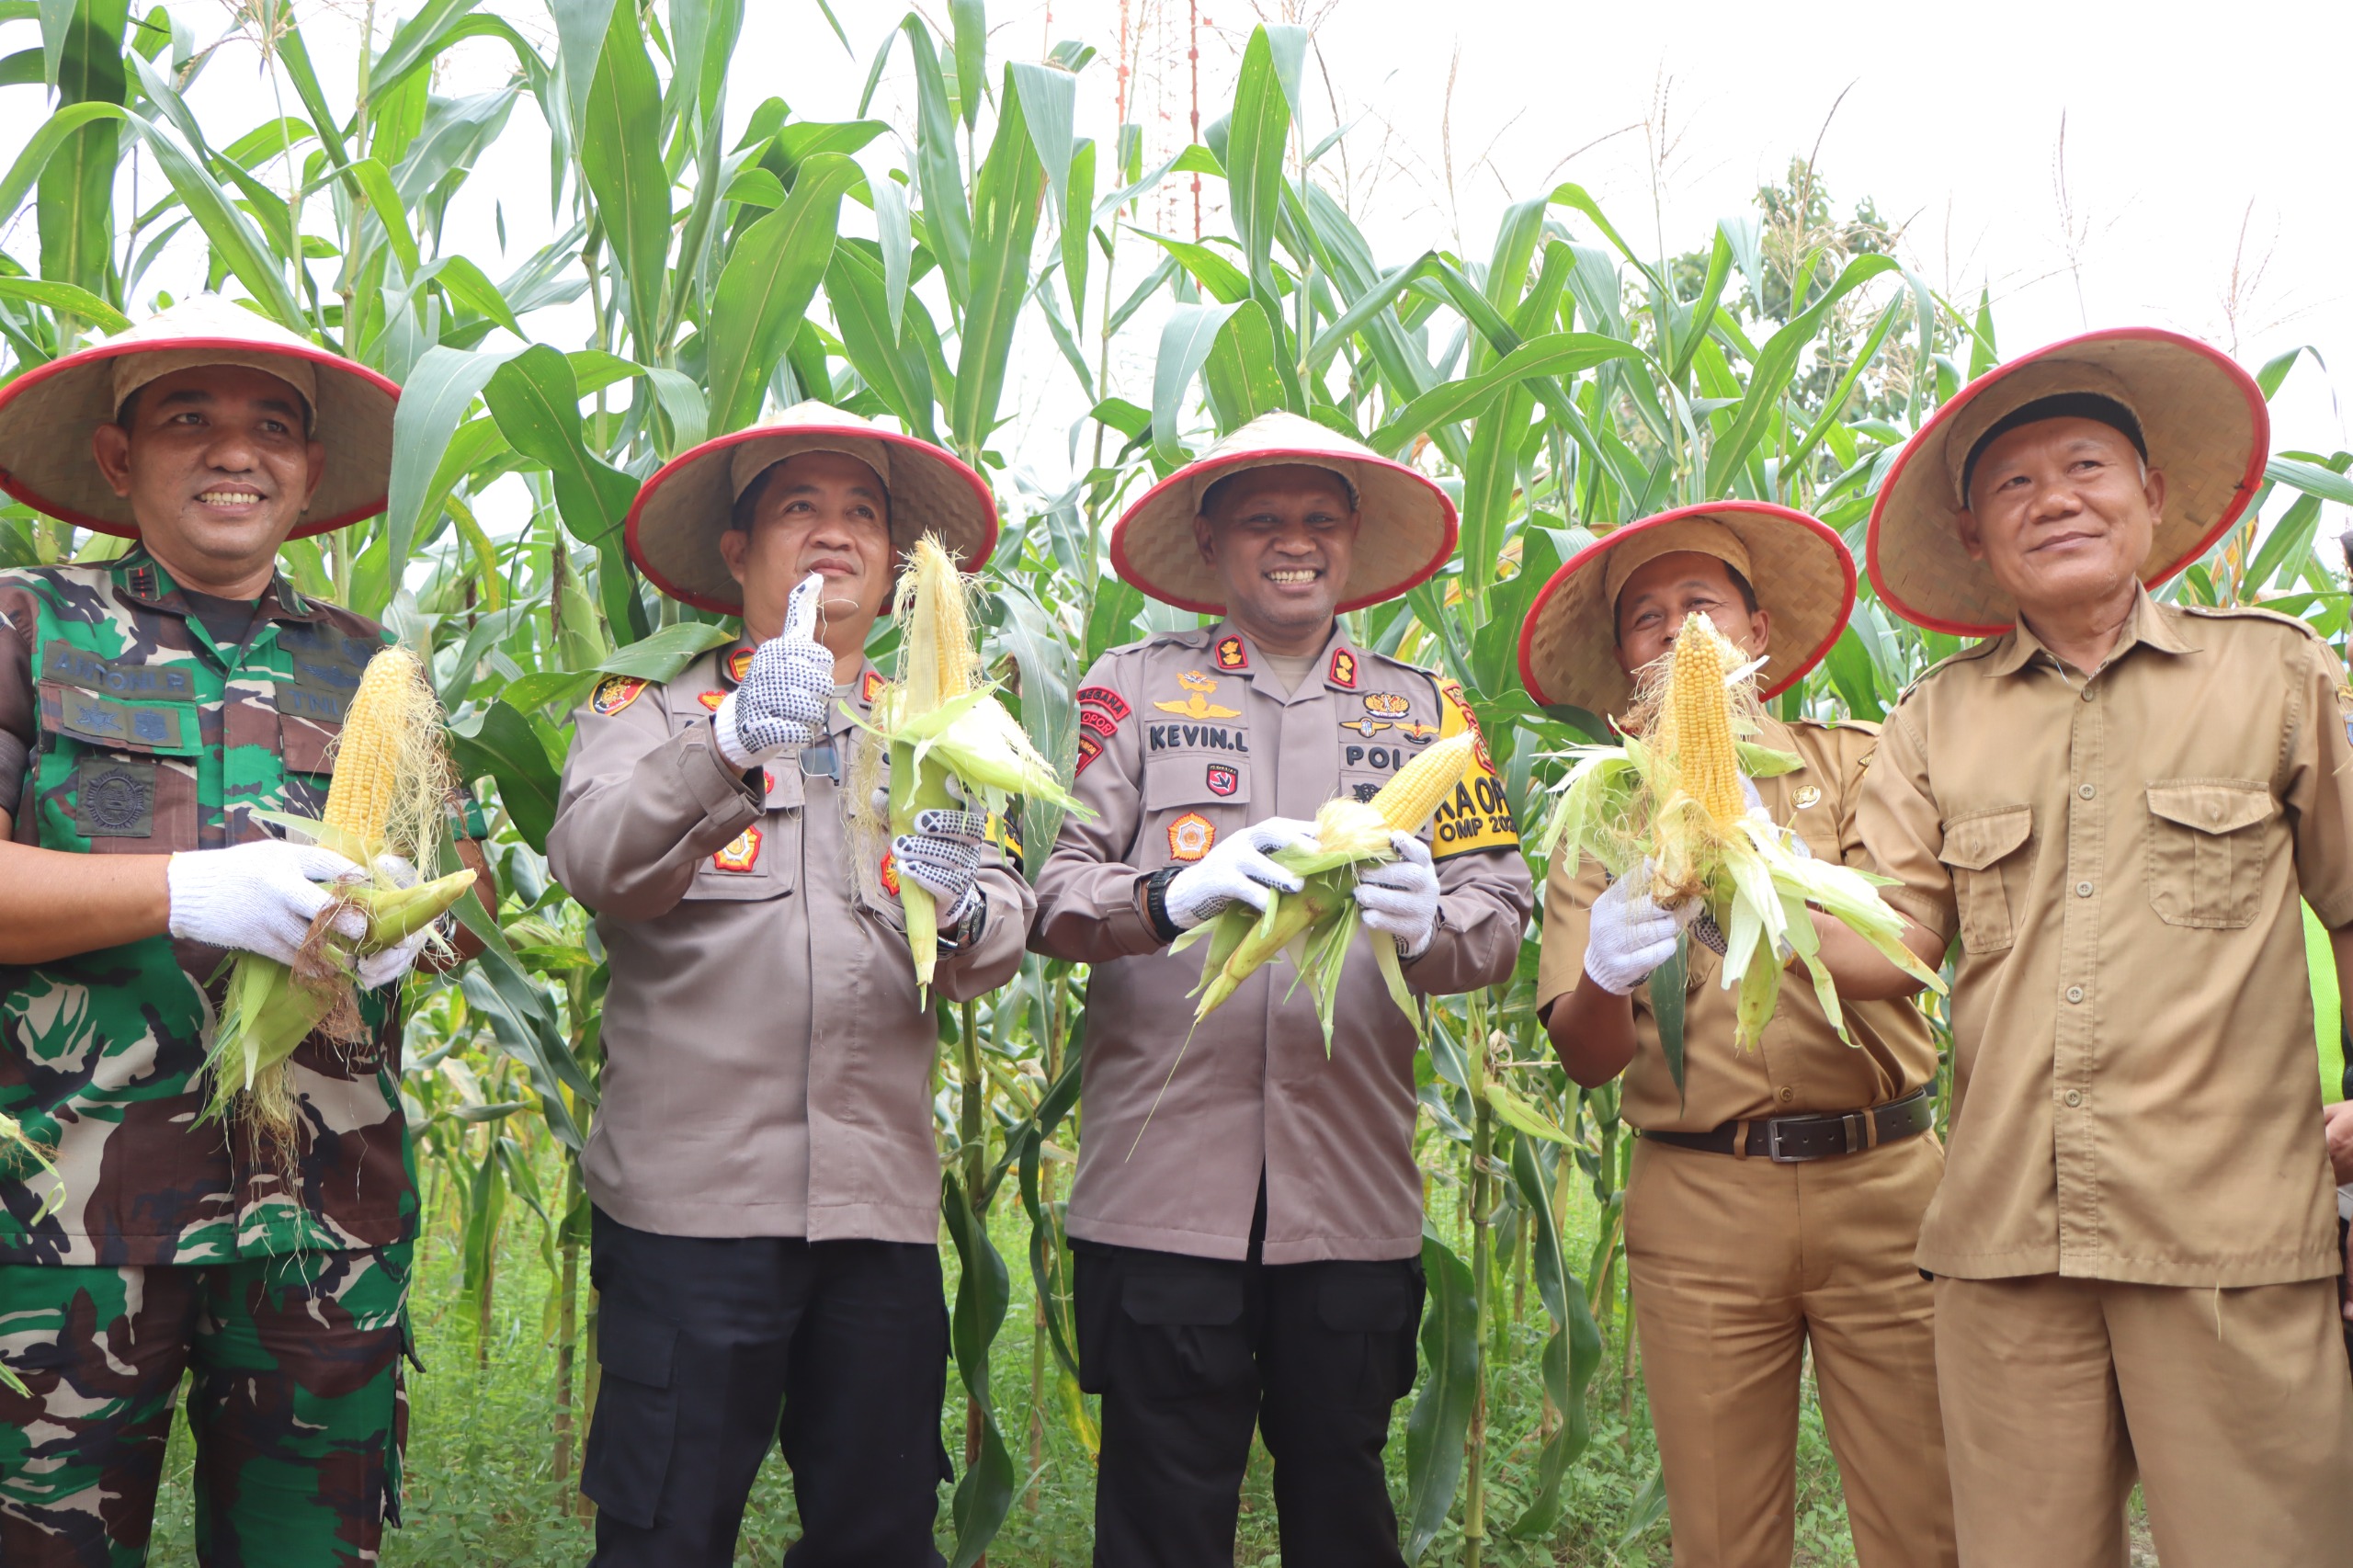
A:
[1107,701]
[1476,814]
[1089,748]
[616,692]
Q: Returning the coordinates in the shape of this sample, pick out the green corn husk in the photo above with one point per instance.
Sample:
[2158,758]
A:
[1622,803]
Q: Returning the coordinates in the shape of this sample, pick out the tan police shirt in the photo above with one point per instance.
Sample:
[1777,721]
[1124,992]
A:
[1799,1065]
[2135,1094]
[1184,743]
[768,1066]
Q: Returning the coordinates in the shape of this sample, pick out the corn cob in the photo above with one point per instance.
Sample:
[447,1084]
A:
[1699,707]
[391,777]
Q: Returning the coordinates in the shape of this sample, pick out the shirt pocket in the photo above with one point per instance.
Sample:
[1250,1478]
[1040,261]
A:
[1982,850]
[2206,850]
[1190,802]
[130,788]
[759,863]
[307,747]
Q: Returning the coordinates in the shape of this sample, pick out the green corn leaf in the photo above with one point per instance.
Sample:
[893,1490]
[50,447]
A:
[766,287]
[1007,196]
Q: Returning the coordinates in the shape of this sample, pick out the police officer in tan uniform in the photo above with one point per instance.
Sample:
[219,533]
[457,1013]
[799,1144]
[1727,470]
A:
[1247,1213]
[763,1163]
[1776,1193]
[2115,805]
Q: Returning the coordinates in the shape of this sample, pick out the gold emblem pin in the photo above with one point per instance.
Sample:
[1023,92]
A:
[1805,795]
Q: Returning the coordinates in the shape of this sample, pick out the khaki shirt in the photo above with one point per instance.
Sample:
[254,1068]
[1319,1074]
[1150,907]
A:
[2122,858]
[767,1067]
[1799,1065]
[1182,743]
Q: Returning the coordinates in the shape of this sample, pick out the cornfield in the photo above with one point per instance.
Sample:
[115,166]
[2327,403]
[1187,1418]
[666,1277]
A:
[706,266]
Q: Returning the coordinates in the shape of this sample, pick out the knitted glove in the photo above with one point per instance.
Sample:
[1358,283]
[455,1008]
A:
[255,898]
[782,703]
[1630,935]
[943,857]
[1236,870]
[384,967]
[1400,897]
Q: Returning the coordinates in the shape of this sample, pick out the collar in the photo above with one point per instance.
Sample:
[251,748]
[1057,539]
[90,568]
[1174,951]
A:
[1342,664]
[140,579]
[738,660]
[2151,625]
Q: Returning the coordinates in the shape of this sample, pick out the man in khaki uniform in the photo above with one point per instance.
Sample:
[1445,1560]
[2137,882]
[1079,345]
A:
[2115,805]
[1776,1193]
[763,1165]
[1247,1213]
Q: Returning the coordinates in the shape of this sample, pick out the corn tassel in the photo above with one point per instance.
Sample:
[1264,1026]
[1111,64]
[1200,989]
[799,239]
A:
[391,775]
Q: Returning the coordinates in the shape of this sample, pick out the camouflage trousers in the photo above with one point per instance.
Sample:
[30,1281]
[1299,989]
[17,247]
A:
[295,1399]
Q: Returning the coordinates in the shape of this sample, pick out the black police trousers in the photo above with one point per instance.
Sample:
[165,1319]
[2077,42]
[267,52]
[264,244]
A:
[1191,1353]
[704,1341]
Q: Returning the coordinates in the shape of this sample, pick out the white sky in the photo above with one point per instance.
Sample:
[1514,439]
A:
[2202,170]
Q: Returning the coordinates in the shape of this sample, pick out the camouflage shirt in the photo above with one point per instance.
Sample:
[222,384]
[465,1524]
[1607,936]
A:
[132,734]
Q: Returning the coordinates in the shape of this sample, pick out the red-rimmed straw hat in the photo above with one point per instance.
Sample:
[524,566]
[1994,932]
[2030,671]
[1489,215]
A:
[47,415]
[2203,417]
[1406,534]
[1804,577]
[675,523]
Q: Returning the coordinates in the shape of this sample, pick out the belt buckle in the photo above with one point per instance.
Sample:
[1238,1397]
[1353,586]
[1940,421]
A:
[1773,1144]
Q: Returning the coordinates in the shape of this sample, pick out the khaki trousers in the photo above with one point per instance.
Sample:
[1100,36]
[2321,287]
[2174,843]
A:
[1737,1265]
[2235,1406]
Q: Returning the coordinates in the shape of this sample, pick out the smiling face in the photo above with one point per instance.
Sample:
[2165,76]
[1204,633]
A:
[1653,604]
[217,466]
[821,512]
[2063,514]
[1281,539]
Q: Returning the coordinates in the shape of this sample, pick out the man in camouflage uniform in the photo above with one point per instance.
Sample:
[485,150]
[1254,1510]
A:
[150,709]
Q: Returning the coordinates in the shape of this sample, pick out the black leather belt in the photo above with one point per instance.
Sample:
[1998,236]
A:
[1790,1140]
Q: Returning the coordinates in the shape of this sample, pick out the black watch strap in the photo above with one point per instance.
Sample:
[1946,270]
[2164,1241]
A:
[1156,903]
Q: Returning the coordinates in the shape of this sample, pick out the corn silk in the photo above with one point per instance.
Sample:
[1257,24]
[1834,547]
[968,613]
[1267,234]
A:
[1661,796]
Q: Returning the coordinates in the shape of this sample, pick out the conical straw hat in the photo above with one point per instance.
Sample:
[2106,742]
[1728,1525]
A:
[48,413]
[675,524]
[1406,534]
[1804,577]
[2203,417]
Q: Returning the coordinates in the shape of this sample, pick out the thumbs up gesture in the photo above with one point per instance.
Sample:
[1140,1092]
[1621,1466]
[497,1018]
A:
[781,704]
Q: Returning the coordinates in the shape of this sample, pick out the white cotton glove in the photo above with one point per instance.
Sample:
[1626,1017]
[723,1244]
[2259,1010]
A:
[1401,896]
[943,855]
[256,898]
[384,967]
[1236,870]
[781,704]
[1630,935]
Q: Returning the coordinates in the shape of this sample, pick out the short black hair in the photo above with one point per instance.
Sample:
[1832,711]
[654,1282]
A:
[2059,405]
[1739,580]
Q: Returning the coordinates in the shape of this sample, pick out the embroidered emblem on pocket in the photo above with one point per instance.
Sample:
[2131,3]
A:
[1189,836]
[743,854]
[1223,779]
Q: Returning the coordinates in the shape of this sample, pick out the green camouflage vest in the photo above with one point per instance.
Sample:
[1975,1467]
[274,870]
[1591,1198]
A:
[146,738]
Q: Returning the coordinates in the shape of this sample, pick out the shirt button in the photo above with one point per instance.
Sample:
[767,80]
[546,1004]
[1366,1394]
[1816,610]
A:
[2074,994]
[2083,889]
[2086,790]
[2074,1096]
[1788,1095]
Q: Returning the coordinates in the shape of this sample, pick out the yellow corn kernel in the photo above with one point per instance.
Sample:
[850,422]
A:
[938,666]
[1406,801]
[359,801]
[1699,721]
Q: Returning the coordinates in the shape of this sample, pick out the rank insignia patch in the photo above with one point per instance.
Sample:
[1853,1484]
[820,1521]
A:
[1805,795]
[1089,748]
[739,664]
[743,854]
[1368,728]
[889,872]
[1387,704]
[1343,668]
[1223,779]
[871,687]
[710,699]
[1232,655]
[1199,687]
[1189,836]
[614,693]
[1104,698]
[1418,733]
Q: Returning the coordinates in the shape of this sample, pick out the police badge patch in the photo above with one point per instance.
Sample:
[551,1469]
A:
[615,693]
[115,799]
[1222,779]
[742,854]
[1189,836]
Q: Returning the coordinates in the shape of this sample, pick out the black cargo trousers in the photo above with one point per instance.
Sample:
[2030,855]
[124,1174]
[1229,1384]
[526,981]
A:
[713,1349]
[1189,1353]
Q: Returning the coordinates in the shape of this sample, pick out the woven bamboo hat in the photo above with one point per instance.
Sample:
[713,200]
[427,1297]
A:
[1804,577]
[48,413]
[2203,419]
[1408,529]
[675,523]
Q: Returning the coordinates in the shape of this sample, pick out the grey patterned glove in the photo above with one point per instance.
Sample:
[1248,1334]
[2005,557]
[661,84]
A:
[782,702]
[943,855]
